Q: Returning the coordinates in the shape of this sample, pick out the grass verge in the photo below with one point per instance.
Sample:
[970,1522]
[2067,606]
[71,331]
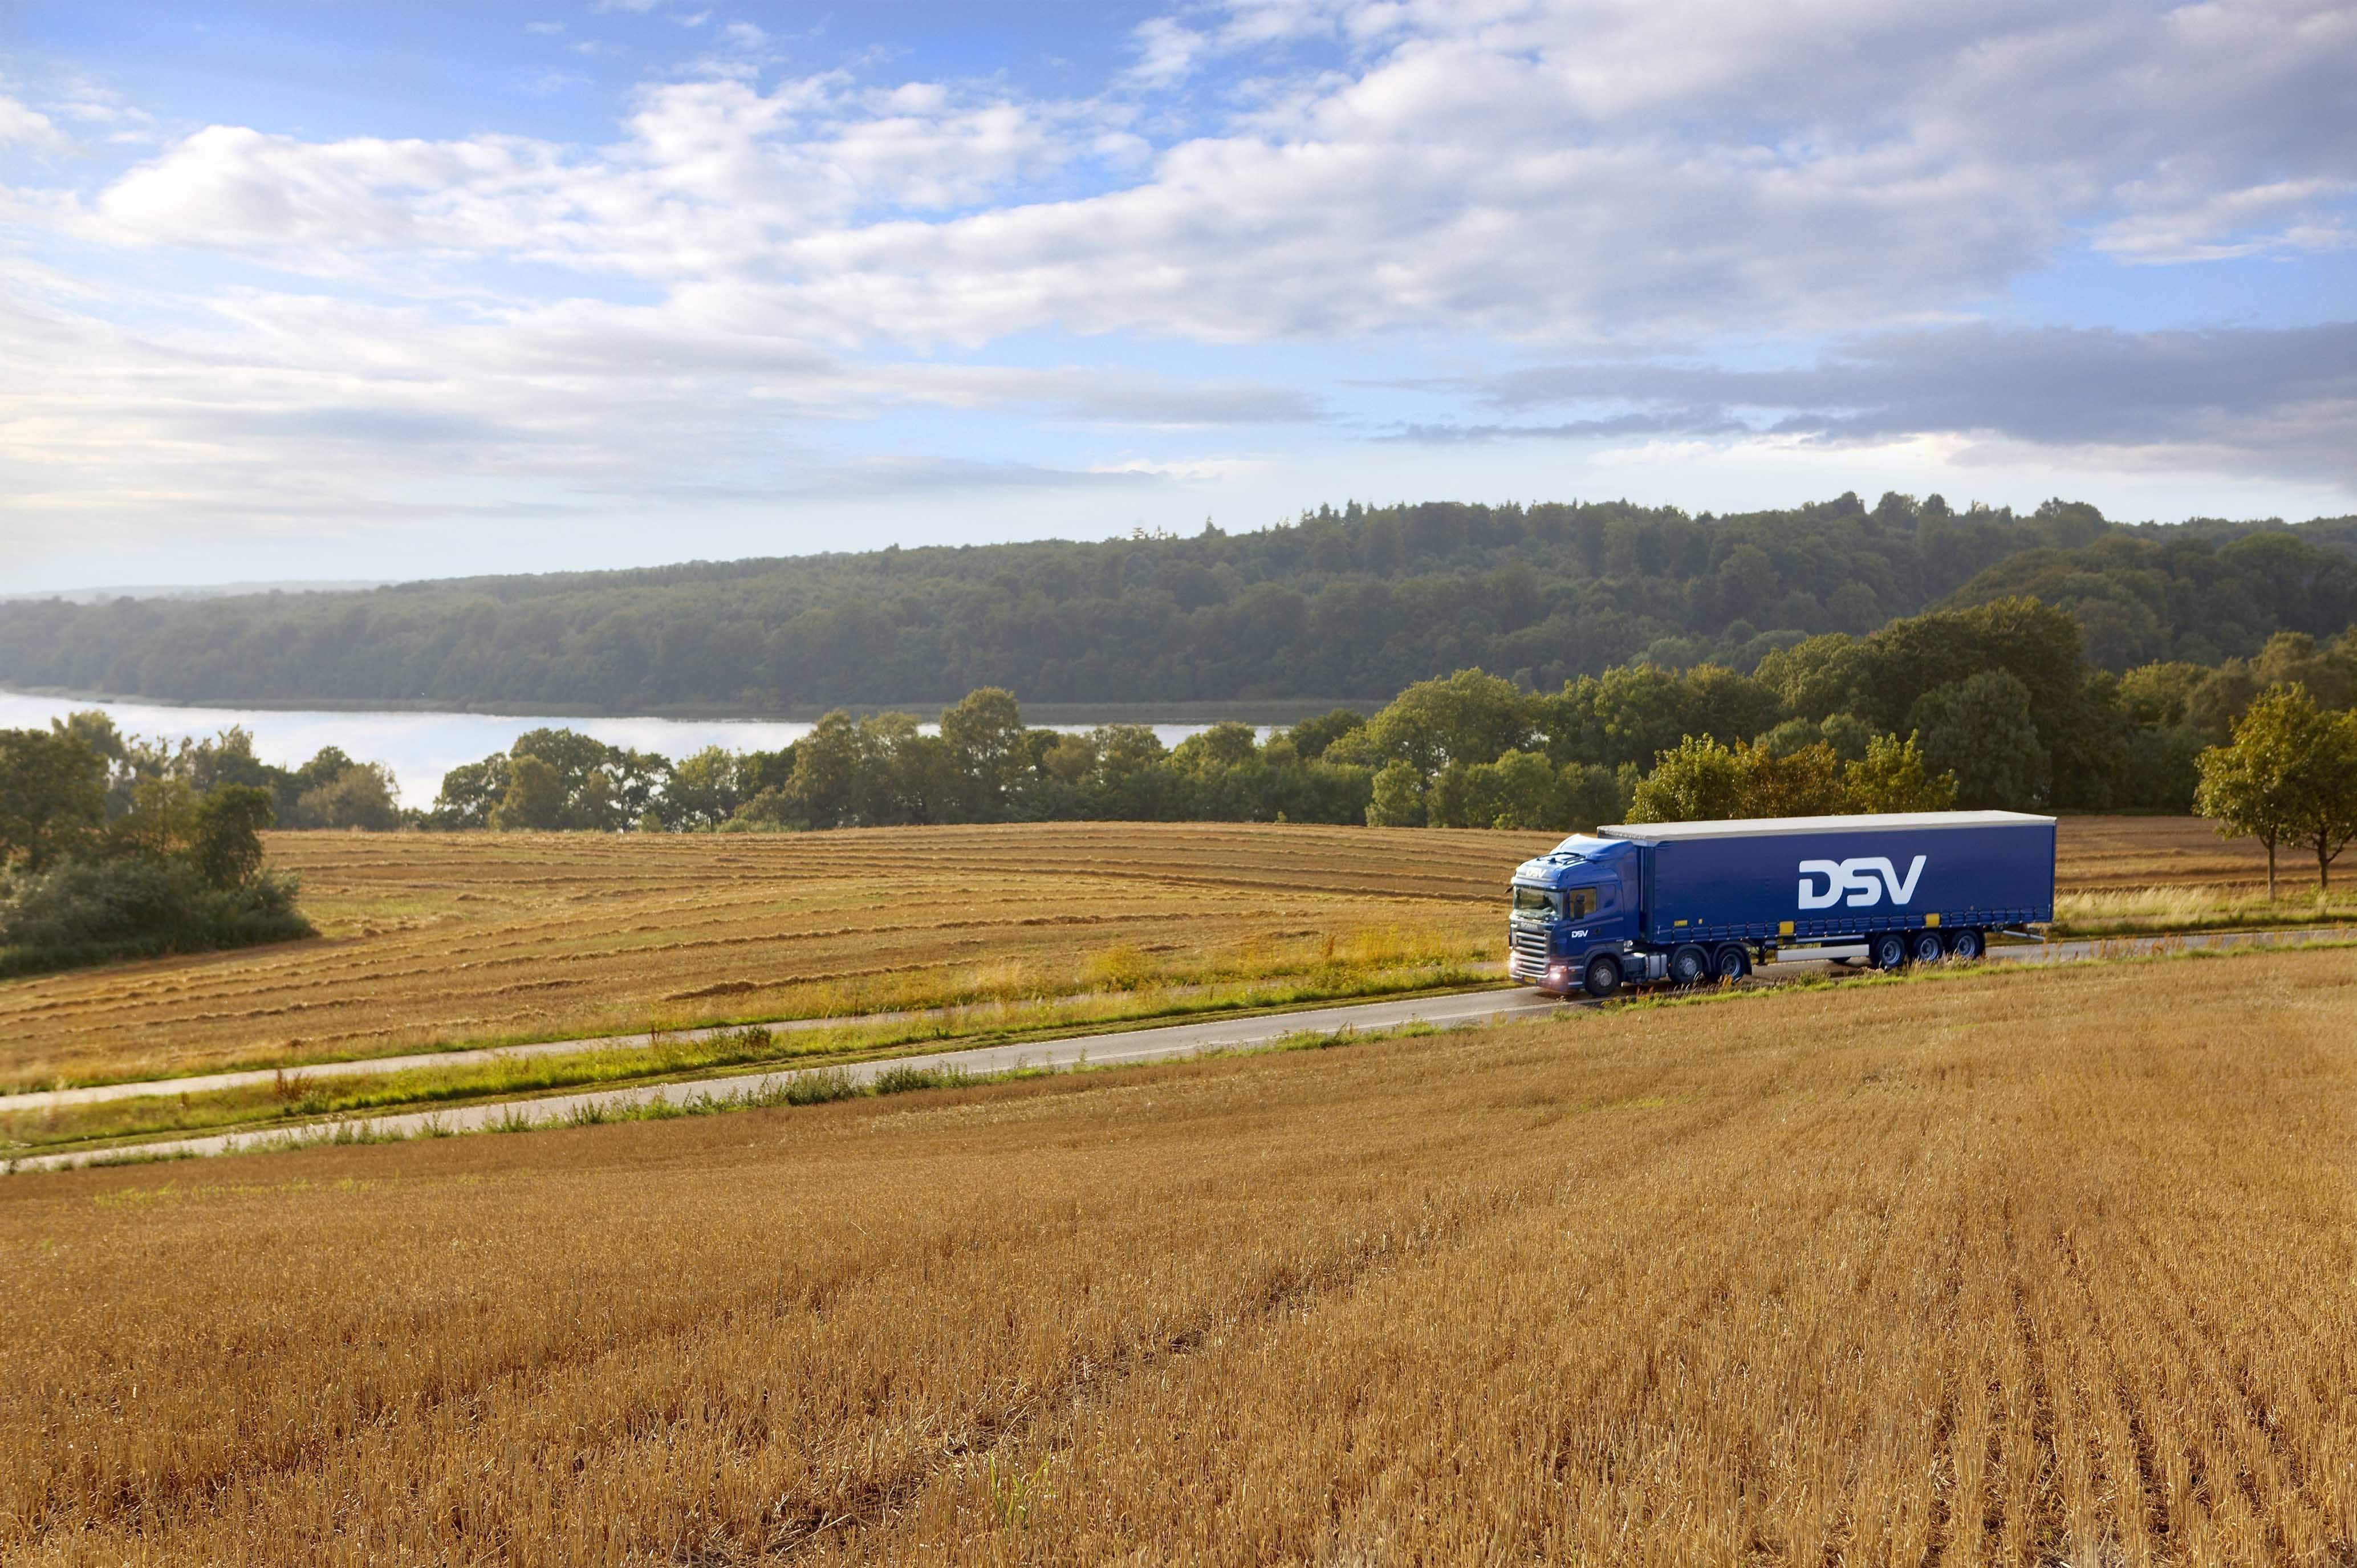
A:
[293,1099]
[2160,910]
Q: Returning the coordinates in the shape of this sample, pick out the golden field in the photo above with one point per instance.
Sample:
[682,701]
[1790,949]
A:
[488,938]
[436,939]
[2012,1266]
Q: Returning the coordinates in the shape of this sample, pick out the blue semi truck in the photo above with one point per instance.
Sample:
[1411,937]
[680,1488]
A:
[1688,903]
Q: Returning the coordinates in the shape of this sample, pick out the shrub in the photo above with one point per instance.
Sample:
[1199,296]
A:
[900,1079]
[85,912]
[819,1086]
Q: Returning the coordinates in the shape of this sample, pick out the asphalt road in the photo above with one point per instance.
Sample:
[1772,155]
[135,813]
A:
[1160,1044]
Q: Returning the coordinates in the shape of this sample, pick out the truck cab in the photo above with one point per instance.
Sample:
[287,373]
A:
[1579,898]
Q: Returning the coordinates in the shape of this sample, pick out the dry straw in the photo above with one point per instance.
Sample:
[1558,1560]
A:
[2022,1267]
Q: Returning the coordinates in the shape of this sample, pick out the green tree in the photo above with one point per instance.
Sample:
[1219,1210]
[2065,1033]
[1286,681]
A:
[1634,712]
[361,796]
[1701,780]
[1070,758]
[52,795]
[1981,730]
[1802,783]
[705,789]
[1228,744]
[1893,777]
[470,794]
[2255,786]
[535,797]
[1469,718]
[1310,738]
[2325,783]
[983,732]
[225,842]
[827,764]
[1594,795]
[1398,800]
[161,823]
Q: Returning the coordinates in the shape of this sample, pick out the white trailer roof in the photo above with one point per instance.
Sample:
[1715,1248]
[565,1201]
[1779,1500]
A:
[1766,827]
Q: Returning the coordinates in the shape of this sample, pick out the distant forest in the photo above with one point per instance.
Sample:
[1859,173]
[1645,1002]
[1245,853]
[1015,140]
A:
[1353,605]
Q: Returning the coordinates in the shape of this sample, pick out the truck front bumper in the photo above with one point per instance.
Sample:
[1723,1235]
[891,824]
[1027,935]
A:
[1555,976]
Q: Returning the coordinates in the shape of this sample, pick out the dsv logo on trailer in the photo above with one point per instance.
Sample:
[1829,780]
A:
[1863,880]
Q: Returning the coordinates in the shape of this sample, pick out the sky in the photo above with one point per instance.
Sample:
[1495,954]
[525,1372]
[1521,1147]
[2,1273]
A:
[341,290]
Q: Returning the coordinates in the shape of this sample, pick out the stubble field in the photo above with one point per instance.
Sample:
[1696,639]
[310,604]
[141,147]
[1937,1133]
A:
[2011,1266]
[486,939]
[491,937]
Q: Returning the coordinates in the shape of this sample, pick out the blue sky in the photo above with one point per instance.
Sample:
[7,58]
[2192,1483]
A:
[350,290]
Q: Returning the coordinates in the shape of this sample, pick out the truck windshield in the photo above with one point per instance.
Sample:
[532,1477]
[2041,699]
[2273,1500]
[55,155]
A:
[1536,904]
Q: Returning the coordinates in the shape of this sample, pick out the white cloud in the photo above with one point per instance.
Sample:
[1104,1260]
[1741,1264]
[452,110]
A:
[1166,51]
[1567,171]
[2263,401]
[24,127]
[546,29]
[751,258]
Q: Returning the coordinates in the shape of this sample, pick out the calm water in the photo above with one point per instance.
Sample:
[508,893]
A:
[421,748]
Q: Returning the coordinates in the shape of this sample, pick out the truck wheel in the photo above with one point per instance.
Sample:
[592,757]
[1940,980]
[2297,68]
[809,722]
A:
[1887,950]
[1730,962]
[1689,965]
[1603,977]
[1927,948]
[1966,946]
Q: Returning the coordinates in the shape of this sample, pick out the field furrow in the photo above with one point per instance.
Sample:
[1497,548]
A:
[2011,1268]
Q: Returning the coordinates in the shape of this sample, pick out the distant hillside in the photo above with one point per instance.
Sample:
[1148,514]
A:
[1355,603]
[2142,595]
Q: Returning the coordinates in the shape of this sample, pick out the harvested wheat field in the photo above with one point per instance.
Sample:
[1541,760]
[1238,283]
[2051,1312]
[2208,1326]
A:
[490,937]
[2019,1267]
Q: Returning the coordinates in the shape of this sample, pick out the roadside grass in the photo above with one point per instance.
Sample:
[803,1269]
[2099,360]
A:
[2139,911]
[294,1098]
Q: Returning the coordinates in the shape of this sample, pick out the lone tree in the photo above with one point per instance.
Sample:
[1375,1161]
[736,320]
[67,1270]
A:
[2326,783]
[2263,784]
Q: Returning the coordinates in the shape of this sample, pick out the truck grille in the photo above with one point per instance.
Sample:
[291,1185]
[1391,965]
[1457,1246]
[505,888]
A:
[1530,943]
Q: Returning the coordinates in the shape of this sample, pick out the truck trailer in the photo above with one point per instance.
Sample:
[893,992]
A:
[1687,903]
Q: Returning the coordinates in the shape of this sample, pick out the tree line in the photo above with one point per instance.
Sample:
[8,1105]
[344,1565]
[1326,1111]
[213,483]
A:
[114,846]
[1354,603]
[1994,705]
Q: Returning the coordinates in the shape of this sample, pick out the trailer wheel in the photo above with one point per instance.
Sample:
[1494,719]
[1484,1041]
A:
[1887,950]
[1689,965]
[1603,976]
[1730,962]
[1927,948]
[1966,945]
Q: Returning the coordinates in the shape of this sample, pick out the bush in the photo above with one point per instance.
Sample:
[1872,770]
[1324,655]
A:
[85,912]
[901,1078]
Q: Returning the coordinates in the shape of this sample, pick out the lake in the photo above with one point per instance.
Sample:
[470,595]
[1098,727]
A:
[420,747]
